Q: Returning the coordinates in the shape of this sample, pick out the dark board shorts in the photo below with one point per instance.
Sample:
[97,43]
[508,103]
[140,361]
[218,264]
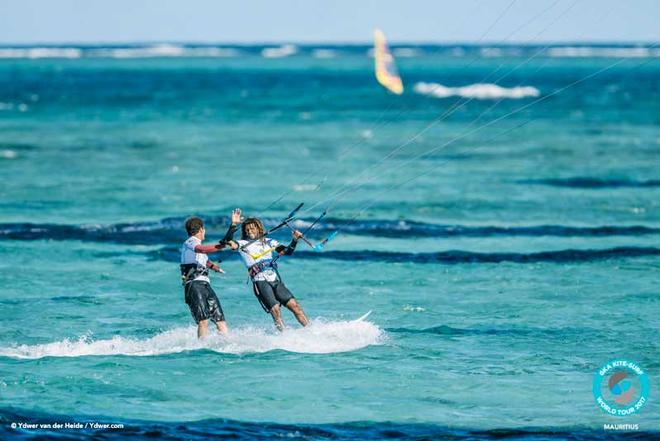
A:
[272,293]
[203,302]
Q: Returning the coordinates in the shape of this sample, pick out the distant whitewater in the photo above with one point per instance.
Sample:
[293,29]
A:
[182,50]
[481,91]
[279,52]
[154,51]
[321,337]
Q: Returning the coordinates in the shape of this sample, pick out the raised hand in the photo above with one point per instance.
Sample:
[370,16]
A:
[236,216]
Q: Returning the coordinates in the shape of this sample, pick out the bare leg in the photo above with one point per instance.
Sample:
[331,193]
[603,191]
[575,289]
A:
[222,327]
[202,328]
[277,317]
[297,310]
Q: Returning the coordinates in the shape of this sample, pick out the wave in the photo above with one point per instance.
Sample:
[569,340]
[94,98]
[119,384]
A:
[21,107]
[171,49]
[41,52]
[494,331]
[8,154]
[588,182]
[165,51]
[324,53]
[443,330]
[279,52]
[410,229]
[244,430]
[482,91]
[321,337]
[491,52]
[602,52]
[406,52]
[457,257]
[154,51]
[452,257]
[170,230]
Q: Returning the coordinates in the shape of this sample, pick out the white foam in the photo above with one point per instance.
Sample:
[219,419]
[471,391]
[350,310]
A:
[406,52]
[496,52]
[606,52]
[411,308]
[41,52]
[164,51]
[305,187]
[8,154]
[161,50]
[367,134]
[154,51]
[478,91]
[279,52]
[321,337]
[324,53]
[491,52]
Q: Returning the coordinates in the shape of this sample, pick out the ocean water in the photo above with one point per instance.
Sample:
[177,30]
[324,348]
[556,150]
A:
[501,220]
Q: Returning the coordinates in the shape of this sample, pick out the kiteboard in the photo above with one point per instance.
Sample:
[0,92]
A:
[363,317]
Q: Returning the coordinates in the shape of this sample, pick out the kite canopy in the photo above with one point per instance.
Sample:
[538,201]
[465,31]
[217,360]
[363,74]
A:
[386,71]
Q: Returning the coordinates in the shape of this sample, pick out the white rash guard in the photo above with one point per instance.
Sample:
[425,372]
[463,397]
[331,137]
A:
[260,251]
[188,255]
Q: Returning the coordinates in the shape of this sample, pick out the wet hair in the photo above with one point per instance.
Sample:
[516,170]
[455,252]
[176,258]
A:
[252,221]
[193,225]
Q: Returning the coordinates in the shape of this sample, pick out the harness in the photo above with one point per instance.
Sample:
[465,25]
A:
[191,271]
[262,266]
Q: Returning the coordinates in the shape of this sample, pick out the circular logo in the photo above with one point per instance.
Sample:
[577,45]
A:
[621,387]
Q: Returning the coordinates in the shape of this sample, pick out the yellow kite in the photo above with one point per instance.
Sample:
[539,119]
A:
[386,72]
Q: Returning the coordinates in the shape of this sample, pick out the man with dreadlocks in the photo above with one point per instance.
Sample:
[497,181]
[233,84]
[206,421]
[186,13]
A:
[260,254]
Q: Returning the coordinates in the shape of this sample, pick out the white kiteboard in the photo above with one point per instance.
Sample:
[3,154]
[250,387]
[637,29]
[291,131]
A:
[363,317]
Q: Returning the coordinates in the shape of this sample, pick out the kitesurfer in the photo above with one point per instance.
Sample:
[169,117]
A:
[195,265]
[260,254]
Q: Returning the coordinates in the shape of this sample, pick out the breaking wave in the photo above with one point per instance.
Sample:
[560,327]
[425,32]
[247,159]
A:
[153,51]
[41,52]
[324,53]
[279,52]
[481,91]
[172,49]
[602,52]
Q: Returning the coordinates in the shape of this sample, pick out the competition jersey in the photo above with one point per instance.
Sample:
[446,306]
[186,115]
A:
[188,255]
[261,251]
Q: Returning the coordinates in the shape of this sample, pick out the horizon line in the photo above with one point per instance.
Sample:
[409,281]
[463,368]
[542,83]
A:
[330,43]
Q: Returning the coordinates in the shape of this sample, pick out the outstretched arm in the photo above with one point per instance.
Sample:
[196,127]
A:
[208,249]
[288,250]
[214,266]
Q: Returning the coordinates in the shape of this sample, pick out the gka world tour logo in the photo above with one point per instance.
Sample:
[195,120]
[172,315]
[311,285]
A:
[621,388]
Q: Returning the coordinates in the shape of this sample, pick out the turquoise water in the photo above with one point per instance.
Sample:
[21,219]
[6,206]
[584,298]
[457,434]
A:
[518,259]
